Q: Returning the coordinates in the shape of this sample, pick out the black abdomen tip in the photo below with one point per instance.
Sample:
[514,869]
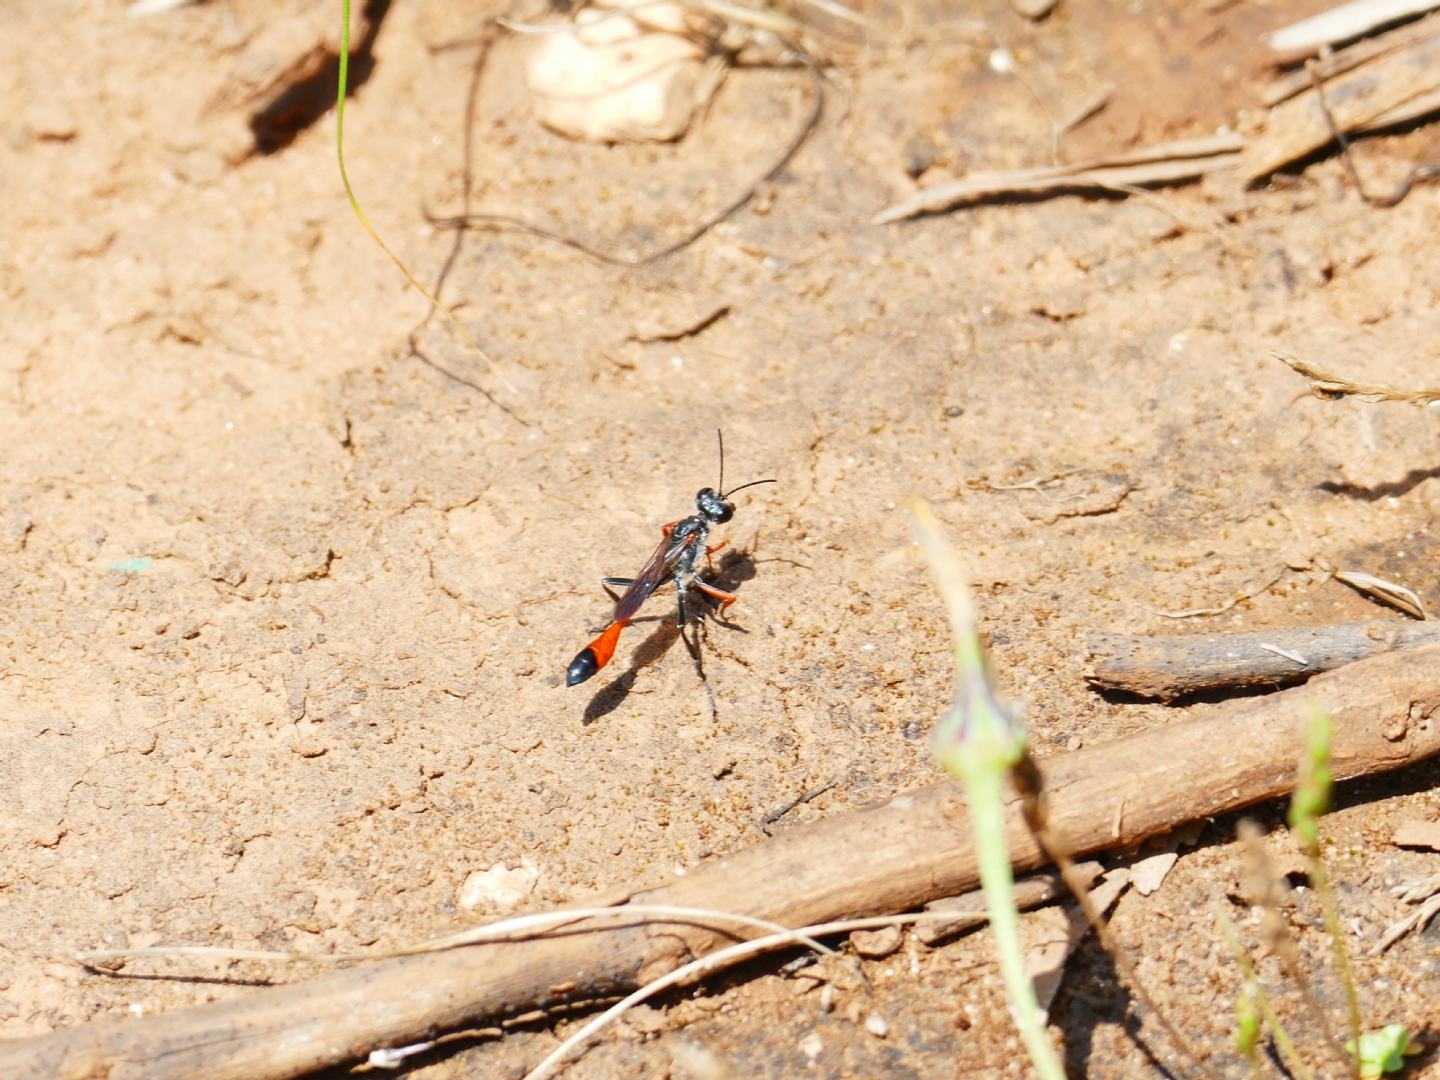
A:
[581,668]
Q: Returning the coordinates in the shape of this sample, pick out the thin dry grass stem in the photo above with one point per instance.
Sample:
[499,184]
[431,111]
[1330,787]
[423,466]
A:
[1324,384]
[364,219]
[1087,108]
[1037,485]
[1428,891]
[1213,225]
[1343,22]
[1032,804]
[1250,594]
[1264,889]
[841,12]
[521,927]
[707,964]
[738,203]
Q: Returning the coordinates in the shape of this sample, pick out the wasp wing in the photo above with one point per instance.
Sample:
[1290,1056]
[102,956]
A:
[652,575]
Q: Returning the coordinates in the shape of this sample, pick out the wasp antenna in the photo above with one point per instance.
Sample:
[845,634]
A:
[742,487]
[720,437]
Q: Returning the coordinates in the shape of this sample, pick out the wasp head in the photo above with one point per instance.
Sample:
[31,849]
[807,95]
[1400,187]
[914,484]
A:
[713,506]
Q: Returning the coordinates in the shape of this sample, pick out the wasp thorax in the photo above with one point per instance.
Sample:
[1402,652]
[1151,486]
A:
[713,507]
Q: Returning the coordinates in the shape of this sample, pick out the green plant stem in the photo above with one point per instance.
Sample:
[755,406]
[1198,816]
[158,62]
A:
[987,817]
[1309,803]
[1282,1038]
[1321,880]
[979,742]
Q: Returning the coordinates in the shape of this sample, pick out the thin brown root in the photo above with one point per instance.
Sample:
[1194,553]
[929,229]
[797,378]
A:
[787,154]
[1423,171]
[1195,613]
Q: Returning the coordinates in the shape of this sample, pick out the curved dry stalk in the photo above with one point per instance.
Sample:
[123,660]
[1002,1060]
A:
[1326,384]
[712,962]
[519,928]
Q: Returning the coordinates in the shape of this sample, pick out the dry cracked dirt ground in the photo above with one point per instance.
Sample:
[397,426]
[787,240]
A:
[285,603]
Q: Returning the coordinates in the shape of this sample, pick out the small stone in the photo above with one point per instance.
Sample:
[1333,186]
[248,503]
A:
[920,154]
[875,1024]
[1033,9]
[877,944]
[499,886]
[51,121]
[811,1046]
[309,748]
[643,1021]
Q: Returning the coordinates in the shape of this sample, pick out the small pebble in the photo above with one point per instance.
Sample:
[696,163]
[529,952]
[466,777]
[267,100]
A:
[1033,9]
[309,748]
[811,1045]
[877,944]
[875,1024]
[920,154]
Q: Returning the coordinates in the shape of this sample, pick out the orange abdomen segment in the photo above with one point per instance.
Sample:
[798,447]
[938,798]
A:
[604,646]
[594,656]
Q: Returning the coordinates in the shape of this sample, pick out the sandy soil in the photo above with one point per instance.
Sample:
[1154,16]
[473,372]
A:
[287,603]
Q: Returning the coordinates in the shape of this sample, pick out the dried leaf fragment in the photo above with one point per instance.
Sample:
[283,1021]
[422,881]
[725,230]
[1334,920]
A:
[1388,592]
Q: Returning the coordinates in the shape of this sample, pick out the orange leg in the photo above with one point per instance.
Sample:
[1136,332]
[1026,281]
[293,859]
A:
[720,596]
[711,551]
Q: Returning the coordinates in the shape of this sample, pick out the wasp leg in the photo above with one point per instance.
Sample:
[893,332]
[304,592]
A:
[722,598]
[609,584]
[711,551]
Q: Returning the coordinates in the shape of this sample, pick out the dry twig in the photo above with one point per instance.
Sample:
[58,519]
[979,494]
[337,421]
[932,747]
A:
[1184,159]
[1349,58]
[1341,23]
[1385,91]
[1239,598]
[1168,666]
[885,858]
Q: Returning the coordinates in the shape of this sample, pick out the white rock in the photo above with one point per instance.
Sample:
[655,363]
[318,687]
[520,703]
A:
[499,887]
[618,79]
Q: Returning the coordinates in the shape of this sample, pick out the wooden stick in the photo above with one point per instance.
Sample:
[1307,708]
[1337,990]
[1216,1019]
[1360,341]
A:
[1341,23]
[1299,126]
[1349,58]
[1169,666]
[884,858]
